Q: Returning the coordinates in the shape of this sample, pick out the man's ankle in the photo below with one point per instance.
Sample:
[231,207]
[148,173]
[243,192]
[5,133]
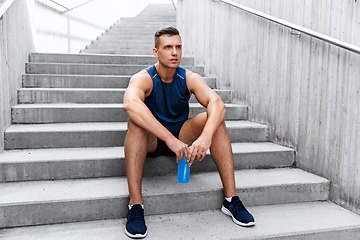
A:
[136,201]
[130,206]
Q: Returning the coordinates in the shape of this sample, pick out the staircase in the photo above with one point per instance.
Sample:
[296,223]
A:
[64,159]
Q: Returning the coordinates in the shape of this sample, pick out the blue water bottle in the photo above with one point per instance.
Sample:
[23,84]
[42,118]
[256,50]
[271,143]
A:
[183,171]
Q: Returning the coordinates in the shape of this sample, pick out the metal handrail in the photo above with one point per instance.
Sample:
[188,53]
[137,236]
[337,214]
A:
[59,4]
[5,6]
[69,9]
[78,6]
[292,26]
[174,4]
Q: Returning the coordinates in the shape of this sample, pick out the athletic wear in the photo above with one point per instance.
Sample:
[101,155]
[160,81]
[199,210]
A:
[238,212]
[169,102]
[135,222]
[162,149]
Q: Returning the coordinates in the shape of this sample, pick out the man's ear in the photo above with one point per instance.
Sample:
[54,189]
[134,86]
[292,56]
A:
[155,51]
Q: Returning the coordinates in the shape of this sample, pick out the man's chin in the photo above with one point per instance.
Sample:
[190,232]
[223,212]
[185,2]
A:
[172,66]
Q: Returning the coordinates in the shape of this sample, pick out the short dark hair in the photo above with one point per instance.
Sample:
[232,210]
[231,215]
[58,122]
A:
[170,31]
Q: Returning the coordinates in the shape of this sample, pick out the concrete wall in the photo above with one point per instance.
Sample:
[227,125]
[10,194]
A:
[15,45]
[306,90]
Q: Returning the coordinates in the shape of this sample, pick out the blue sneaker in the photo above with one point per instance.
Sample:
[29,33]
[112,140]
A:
[238,212]
[135,222]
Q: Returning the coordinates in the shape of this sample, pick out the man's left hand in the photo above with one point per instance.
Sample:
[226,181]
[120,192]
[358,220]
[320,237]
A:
[197,151]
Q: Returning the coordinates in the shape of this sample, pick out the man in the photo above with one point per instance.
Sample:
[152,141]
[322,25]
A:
[156,102]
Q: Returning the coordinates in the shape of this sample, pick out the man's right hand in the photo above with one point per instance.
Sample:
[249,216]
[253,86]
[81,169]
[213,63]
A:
[178,147]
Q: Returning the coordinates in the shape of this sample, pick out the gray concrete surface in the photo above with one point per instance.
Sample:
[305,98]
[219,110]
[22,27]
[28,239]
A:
[44,202]
[72,113]
[103,134]
[72,163]
[83,81]
[100,59]
[86,95]
[91,69]
[297,221]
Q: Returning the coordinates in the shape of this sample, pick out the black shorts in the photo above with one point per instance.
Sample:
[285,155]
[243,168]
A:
[162,149]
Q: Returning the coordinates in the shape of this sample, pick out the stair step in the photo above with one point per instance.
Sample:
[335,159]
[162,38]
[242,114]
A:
[142,47]
[107,198]
[134,30]
[122,38]
[124,42]
[83,81]
[71,95]
[134,23]
[127,33]
[305,221]
[86,95]
[119,51]
[147,20]
[100,59]
[72,113]
[127,37]
[70,163]
[91,69]
[105,134]
[146,35]
[76,81]
[152,28]
[106,45]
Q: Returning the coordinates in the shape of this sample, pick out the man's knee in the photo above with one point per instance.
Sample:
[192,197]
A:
[134,128]
[142,135]
[222,127]
[222,124]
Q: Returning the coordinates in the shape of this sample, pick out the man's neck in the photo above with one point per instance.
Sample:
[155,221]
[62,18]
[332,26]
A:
[166,74]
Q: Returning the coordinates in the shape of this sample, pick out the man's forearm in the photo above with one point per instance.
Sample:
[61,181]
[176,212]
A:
[215,114]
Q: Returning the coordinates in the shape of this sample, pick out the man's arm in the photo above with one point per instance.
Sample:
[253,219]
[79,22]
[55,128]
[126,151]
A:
[215,113]
[140,86]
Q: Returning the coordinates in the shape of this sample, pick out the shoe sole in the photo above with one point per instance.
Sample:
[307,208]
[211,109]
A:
[136,235]
[226,211]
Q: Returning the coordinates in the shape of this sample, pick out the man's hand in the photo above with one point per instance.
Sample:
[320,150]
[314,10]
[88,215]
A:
[179,148]
[197,151]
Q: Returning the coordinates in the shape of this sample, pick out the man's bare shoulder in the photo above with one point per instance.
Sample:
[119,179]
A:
[142,75]
[194,80]
[141,80]
[190,74]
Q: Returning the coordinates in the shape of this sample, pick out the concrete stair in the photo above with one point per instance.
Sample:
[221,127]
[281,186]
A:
[106,198]
[63,173]
[135,29]
[291,224]
[90,69]
[73,163]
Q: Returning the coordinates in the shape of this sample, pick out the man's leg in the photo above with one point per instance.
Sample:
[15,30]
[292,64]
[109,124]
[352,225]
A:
[138,143]
[220,149]
[222,154]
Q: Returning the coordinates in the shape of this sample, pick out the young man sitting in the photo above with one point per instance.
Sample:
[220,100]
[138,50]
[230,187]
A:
[156,102]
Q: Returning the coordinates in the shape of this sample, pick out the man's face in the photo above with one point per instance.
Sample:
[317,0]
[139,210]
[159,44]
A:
[169,51]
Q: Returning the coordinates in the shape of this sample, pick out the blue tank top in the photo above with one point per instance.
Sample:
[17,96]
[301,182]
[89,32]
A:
[169,102]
